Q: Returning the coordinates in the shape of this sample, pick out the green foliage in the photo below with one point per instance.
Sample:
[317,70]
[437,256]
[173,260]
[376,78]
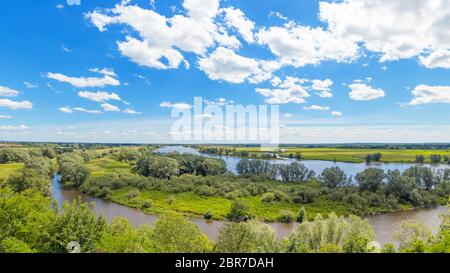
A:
[28,179]
[25,216]
[286,216]
[247,237]
[301,217]
[14,245]
[121,237]
[76,223]
[370,179]
[239,211]
[420,159]
[333,177]
[410,234]
[72,170]
[175,234]
[352,235]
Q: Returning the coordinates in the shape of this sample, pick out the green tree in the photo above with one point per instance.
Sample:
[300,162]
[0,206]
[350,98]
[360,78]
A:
[370,179]
[77,223]
[333,177]
[163,167]
[410,234]
[302,215]
[239,211]
[246,237]
[121,237]
[175,234]
[28,179]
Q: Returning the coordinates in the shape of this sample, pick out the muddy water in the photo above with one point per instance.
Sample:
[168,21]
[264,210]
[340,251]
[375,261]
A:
[384,225]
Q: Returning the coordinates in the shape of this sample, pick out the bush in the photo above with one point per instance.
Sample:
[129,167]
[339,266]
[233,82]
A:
[208,215]
[286,216]
[239,212]
[134,193]
[301,217]
[147,204]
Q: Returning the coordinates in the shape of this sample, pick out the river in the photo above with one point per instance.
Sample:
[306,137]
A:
[351,169]
[384,225]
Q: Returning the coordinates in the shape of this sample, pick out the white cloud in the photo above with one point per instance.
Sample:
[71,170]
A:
[364,92]
[110,108]
[295,90]
[59,6]
[324,87]
[5,117]
[15,105]
[66,49]
[235,18]
[99,96]
[8,92]
[298,45]
[179,106]
[109,78]
[30,85]
[336,114]
[288,91]
[316,108]
[131,112]
[390,28]
[13,128]
[224,64]
[287,115]
[161,40]
[437,59]
[424,94]
[66,110]
[277,15]
[73,2]
[219,101]
[80,109]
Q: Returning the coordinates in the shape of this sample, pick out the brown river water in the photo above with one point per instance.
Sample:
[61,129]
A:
[384,225]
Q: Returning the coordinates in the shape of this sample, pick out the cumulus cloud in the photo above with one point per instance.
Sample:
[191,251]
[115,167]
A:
[66,109]
[364,92]
[99,96]
[5,117]
[316,108]
[390,28]
[179,106]
[224,64]
[425,94]
[161,40]
[8,92]
[336,114]
[437,59]
[109,78]
[16,105]
[291,90]
[295,90]
[299,45]
[109,107]
[236,19]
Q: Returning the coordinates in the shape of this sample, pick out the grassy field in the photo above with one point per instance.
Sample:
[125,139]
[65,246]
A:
[349,155]
[191,204]
[6,170]
[107,165]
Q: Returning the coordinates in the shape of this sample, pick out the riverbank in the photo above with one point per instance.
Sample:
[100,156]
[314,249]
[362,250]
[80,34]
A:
[384,225]
[347,155]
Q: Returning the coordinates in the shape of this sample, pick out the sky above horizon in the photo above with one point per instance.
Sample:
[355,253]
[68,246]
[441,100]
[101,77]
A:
[111,71]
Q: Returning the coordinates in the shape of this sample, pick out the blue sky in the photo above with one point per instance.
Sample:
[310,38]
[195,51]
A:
[111,71]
